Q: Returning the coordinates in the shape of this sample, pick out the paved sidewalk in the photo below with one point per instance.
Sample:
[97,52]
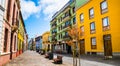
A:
[31,58]
[93,60]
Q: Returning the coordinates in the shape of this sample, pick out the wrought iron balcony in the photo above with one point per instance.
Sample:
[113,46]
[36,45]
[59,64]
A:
[67,17]
[66,37]
[54,25]
[66,26]
[54,39]
[54,33]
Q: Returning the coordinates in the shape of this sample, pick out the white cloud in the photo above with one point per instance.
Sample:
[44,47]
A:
[48,7]
[29,8]
[51,6]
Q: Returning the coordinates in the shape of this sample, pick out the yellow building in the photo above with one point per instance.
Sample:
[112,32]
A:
[46,41]
[98,21]
[21,32]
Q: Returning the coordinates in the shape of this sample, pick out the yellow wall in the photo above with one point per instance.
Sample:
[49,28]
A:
[20,35]
[114,18]
[45,39]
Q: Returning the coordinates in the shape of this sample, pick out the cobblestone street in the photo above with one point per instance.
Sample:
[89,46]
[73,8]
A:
[31,58]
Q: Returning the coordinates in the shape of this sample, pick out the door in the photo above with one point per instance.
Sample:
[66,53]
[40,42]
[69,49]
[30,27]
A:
[48,47]
[82,46]
[107,45]
[22,47]
[11,46]
[69,51]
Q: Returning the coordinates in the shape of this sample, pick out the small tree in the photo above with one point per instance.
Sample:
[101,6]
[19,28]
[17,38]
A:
[74,33]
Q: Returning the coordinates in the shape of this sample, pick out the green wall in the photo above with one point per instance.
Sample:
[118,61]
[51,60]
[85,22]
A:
[79,3]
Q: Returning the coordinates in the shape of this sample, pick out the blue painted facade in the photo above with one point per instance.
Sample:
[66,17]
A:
[38,41]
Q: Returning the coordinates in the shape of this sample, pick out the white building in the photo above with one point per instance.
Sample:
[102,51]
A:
[2,9]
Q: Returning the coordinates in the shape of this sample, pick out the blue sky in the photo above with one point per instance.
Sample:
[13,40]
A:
[38,13]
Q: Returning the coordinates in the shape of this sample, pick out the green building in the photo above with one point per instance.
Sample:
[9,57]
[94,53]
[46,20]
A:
[60,22]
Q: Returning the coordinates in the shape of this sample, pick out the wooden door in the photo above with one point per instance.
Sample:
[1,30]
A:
[107,45]
[82,46]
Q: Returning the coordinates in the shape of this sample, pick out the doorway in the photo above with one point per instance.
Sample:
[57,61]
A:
[82,46]
[69,51]
[107,45]
[11,46]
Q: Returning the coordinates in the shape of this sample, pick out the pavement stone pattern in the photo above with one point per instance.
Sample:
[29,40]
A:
[31,58]
[93,60]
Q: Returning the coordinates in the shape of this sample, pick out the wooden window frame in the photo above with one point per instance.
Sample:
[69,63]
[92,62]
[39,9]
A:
[5,40]
[82,32]
[91,16]
[92,31]
[15,40]
[105,28]
[8,10]
[93,46]
[103,10]
[81,20]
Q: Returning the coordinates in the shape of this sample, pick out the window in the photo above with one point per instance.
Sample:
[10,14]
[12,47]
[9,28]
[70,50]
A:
[61,27]
[67,23]
[13,17]
[92,27]
[5,40]
[73,9]
[61,36]
[82,30]
[66,33]
[66,14]
[59,20]
[93,43]
[105,23]
[91,13]
[14,43]
[74,20]
[8,9]
[81,17]
[104,7]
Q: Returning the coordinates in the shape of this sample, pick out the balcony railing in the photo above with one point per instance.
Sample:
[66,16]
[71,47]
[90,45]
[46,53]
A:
[54,33]
[54,20]
[53,39]
[66,26]
[65,18]
[54,25]
[66,37]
